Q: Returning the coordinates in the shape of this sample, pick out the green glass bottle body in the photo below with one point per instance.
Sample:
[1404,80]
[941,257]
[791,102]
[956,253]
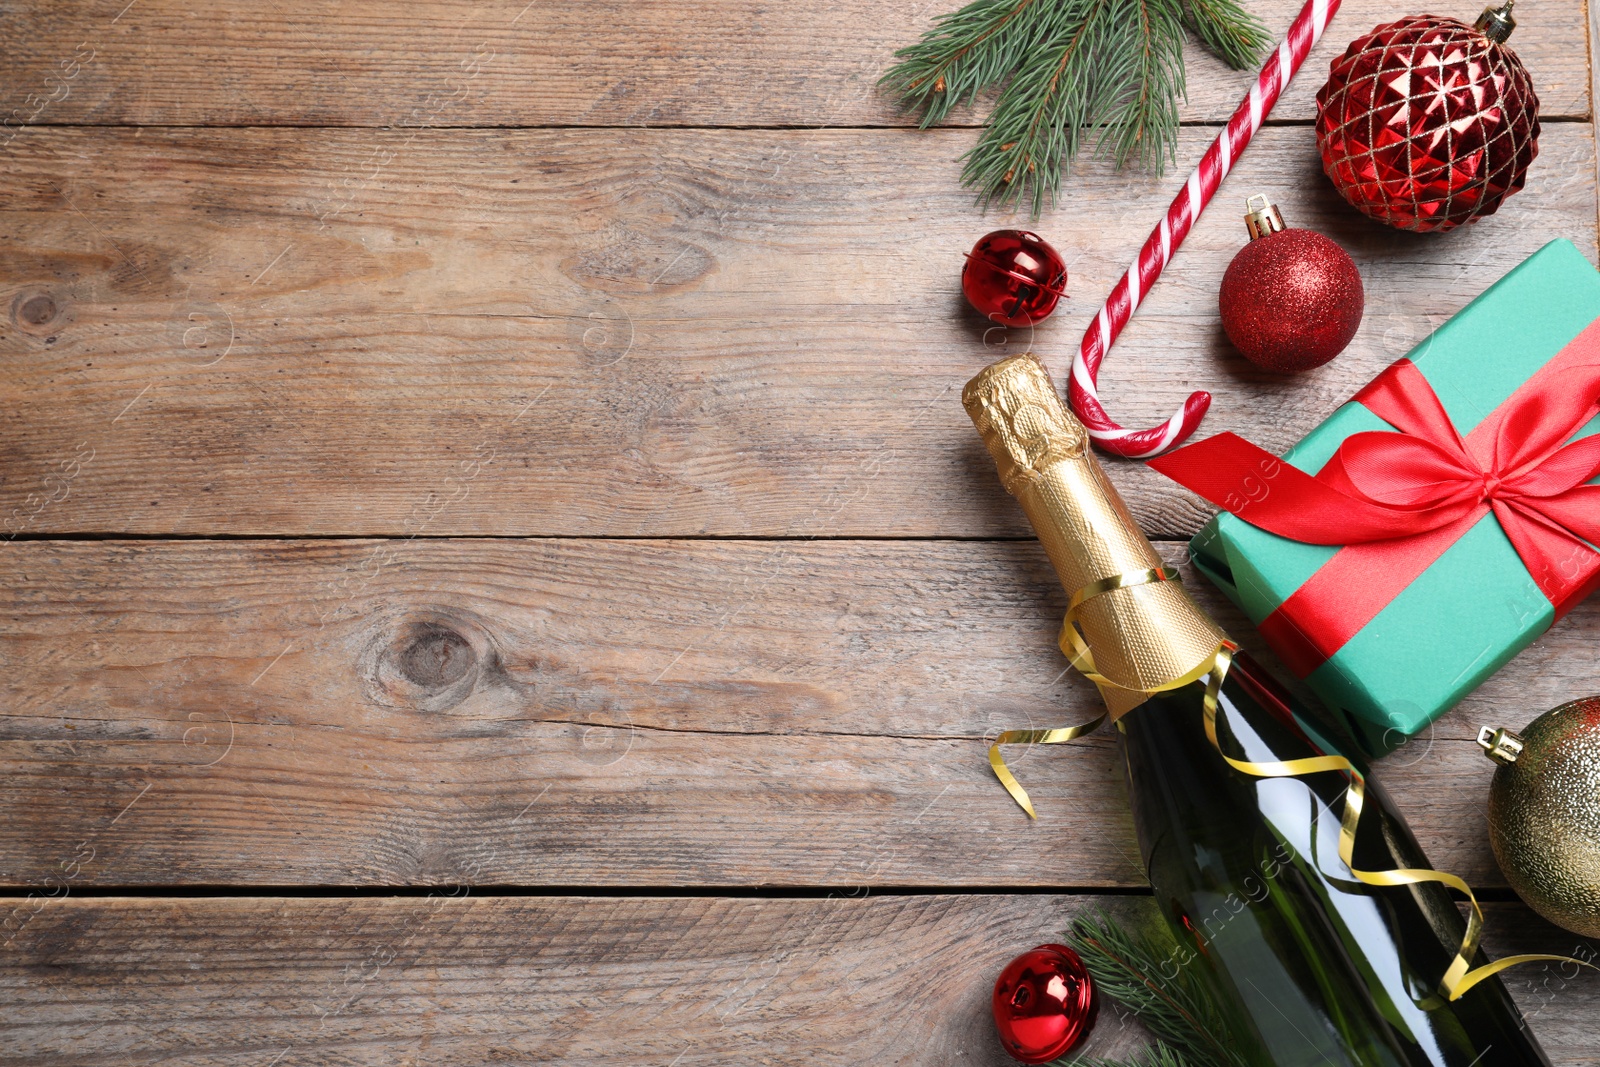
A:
[1322,969]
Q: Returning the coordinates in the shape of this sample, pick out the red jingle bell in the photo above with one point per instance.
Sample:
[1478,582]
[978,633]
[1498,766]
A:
[1044,1004]
[1014,278]
[1291,299]
[1428,123]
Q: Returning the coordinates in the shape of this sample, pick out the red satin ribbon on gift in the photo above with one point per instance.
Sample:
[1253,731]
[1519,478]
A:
[1397,501]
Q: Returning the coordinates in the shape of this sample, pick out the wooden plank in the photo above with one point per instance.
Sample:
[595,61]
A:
[464,980]
[1594,73]
[560,332]
[600,62]
[594,713]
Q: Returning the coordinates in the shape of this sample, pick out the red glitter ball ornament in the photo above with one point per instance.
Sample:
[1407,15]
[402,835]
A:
[1427,123]
[1014,278]
[1291,299]
[1044,1004]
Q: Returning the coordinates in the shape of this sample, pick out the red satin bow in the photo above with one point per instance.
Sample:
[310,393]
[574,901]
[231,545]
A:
[1398,500]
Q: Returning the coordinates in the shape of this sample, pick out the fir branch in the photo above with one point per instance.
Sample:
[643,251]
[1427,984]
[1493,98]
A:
[1230,32]
[1149,133]
[1178,1009]
[1115,65]
[1065,67]
[980,45]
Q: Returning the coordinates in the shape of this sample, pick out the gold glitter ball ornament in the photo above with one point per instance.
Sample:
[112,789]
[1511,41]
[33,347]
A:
[1544,812]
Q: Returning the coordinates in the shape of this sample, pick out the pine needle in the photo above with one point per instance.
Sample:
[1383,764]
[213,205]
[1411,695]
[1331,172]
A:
[1230,32]
[1066,68]
[1145,974]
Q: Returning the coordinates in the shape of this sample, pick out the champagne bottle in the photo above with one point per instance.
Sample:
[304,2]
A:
[1313,967]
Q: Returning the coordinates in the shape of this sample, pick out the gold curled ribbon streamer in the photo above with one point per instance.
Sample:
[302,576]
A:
[1460,976]
[1033,737]
[1072,642]
[1082,658]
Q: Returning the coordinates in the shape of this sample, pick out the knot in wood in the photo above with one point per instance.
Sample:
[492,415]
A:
[35,311]
[436,656]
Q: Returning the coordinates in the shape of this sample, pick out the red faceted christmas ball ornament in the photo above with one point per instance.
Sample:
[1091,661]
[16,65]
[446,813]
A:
[1427,123]
[1291,299]
[1014,278]
[1044,1004]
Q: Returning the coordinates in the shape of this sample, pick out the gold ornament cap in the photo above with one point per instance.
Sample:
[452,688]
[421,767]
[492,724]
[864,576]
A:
[1502,746]
[1140,631]
[1496,23]
[1262,217]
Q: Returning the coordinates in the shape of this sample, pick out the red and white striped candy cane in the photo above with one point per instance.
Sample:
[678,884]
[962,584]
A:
[1165,239]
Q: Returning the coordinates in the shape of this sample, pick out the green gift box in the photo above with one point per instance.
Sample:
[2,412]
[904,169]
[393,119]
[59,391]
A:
[1477,604]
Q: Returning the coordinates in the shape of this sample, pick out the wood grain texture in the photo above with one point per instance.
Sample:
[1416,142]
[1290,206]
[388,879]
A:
[464,980]
[594,63]
[569,328]
[562,713]
[563,332]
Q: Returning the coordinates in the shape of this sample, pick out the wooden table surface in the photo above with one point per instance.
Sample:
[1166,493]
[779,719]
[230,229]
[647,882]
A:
[498,570]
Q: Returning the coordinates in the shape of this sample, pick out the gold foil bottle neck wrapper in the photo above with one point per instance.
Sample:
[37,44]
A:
[1143,638]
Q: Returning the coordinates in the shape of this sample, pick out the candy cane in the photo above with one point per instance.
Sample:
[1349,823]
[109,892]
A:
[1165,239]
